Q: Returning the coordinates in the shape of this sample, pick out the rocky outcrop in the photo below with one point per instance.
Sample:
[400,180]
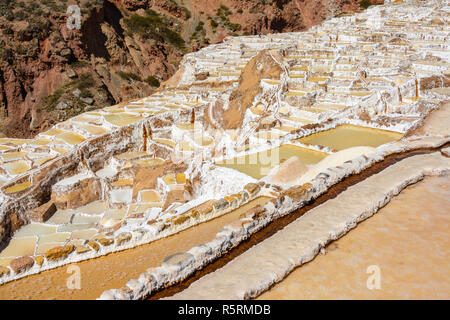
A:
[42,62]
[22,264]
[263,66]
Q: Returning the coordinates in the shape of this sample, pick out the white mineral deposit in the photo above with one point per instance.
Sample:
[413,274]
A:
[302,134]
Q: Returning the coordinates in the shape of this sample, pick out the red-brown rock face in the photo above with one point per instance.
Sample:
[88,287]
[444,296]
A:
[262,66]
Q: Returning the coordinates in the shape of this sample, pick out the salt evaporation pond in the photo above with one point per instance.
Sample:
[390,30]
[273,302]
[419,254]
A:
[113,270]
[258,165]
[347,136]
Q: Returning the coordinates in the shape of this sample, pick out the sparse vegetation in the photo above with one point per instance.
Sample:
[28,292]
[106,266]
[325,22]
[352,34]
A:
[171,5]
[187,13]
[222,14]
[49,103]
[365,4]
[31,29]
[79,64]
[153,26]
[199,31]
[85,93]
[129,76]
[233,26]
[152,81]
[223,11]
[85,81]
[199,26]
[255,11]
[213,23]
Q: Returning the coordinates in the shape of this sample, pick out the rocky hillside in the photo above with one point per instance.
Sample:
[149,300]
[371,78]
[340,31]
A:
[123,50]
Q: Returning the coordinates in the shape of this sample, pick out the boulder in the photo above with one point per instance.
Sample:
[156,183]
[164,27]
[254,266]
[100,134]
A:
[296,193]
[59,252]
[39,260]
[21,264]
[203,209]
[252,188]
[221,204]
[105,241]
[71,74]
[76,93]
[4,271]
[123,237]
[94,245]
[87,100]
[63,105]
[66,52]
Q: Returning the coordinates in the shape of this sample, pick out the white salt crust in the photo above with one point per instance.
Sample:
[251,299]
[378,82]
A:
[120,139]
[140,235]
[303,239]
[230,236]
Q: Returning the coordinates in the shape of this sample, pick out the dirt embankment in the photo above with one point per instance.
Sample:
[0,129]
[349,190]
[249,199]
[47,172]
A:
[262,66]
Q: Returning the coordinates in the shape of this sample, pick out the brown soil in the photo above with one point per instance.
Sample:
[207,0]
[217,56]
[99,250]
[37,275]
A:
[435,123]
[262,66]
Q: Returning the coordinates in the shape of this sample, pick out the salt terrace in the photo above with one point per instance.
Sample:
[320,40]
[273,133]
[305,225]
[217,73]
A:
[339,97]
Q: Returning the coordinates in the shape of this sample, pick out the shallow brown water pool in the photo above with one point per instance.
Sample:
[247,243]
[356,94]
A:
[347,136]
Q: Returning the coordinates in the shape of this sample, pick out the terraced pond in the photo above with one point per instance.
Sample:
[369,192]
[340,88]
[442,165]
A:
[347,136]
[114,270]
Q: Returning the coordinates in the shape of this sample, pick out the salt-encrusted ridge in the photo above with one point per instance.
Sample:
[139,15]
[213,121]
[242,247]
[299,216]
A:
[303,239]
[231,237]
